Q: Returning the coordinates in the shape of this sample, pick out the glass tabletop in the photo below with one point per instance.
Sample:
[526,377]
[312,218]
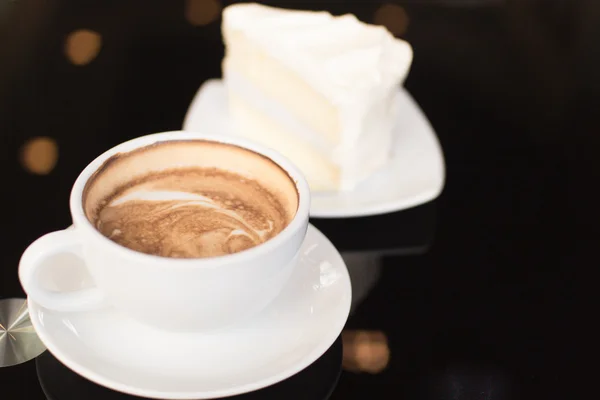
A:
[463,297]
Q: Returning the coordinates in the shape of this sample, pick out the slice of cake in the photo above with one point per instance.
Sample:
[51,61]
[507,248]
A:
[315,87]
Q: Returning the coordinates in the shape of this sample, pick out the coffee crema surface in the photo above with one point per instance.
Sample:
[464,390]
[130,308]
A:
[190,199]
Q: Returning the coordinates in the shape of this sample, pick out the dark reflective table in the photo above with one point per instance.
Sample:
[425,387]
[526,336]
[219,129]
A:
[476,295]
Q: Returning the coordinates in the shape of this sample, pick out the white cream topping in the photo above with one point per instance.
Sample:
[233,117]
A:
[341,57]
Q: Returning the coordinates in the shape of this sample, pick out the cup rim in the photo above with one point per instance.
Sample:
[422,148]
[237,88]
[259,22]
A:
[80,220]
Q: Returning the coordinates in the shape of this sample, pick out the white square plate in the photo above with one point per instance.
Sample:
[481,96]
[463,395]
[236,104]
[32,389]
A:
[414,175]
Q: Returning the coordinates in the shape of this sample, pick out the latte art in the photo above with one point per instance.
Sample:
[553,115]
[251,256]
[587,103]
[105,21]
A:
[191,213]
[190,199]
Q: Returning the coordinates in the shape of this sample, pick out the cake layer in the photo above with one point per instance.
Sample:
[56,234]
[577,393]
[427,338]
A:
[321,174]
[326,166]
[245,58]
[238,85]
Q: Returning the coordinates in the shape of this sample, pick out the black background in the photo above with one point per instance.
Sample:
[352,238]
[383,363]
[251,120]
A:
[494,307]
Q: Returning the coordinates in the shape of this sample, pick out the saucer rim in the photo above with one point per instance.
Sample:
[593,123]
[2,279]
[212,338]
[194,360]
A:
[372,209]
[306,361]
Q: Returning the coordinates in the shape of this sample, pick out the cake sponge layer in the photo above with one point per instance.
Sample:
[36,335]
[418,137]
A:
[281,84]
[326,168]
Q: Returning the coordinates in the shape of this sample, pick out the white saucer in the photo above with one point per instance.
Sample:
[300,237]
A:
[111,350]
[414,175]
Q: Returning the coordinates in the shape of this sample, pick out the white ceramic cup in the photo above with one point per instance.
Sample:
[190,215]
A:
[168,293]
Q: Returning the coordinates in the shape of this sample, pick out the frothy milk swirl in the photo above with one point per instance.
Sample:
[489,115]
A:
[191,214]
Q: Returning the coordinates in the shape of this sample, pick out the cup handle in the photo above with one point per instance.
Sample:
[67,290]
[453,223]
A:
[33,259]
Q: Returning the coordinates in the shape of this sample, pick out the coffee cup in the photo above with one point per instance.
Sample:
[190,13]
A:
[172,293]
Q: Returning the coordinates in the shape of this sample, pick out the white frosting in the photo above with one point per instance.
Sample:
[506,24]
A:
[341,57]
